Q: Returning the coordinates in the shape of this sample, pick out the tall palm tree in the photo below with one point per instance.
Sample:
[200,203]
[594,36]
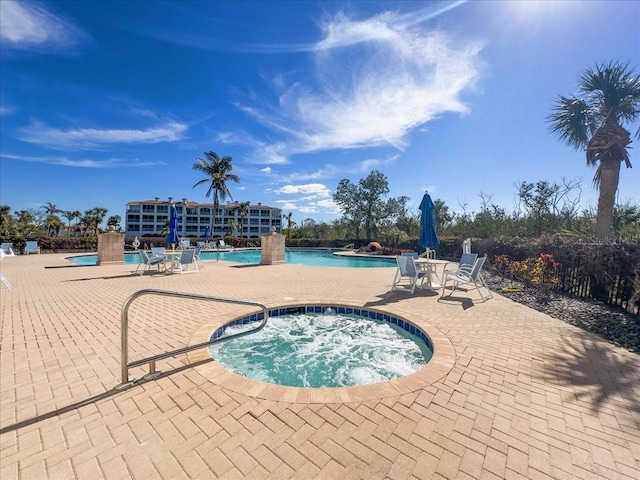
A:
[69,215]
[290,222]
[610,97]
[217,174]
[243,212]
[50,210]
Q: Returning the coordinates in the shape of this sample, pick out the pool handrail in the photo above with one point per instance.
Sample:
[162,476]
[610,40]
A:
[124,333]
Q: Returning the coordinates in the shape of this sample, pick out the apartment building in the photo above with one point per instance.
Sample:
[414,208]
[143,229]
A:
[151,218]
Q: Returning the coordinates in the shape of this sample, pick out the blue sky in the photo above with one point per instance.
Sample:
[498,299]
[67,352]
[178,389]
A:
[108,102]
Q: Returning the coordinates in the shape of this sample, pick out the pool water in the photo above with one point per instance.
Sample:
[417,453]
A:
[322,350]
[312,257]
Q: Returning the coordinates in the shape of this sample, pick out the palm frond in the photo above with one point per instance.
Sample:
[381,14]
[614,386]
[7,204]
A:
[572,120]
[612,88]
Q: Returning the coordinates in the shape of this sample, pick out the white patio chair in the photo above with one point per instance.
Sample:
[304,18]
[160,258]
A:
[2,277]
[407,270]
[31,247]
[7,248]
[185,260]
[150,261]
[471,278]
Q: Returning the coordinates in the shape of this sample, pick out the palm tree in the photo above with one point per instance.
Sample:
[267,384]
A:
[610,97]
[50,211]
[217,171]
[243,212]
[23,219]
[290,222]
[93,218]
[69,215]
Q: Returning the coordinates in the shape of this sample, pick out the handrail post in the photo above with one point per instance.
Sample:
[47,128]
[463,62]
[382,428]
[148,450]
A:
[124,333]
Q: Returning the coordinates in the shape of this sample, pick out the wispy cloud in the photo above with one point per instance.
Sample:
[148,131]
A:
[315,190]
[32,26]
[375,80]
[327,171]
[82,162]
[92,138]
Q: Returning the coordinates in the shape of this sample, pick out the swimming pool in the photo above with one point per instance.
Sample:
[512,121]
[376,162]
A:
[319,347]
[319,257]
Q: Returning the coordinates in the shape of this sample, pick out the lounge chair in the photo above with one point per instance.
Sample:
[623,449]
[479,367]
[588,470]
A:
[464,276]
[31,247]
[184,243]
[186,258]
[150,261]
[407,269]
[7,248]
[5,281]
[223,246]
[196,255]
[2,277]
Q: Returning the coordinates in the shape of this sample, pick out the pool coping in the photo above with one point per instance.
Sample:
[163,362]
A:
[441,363]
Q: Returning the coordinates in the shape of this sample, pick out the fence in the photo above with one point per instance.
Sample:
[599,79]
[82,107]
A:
[609,272]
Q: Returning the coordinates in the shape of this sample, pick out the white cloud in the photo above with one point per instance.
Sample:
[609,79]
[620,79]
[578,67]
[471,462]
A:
[83,162]
[375,80]
[4,110]
[267,170]
[325,172]
[316,190]
[92,138]
[31,26]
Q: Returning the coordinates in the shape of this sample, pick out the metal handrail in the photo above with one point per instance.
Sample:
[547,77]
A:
[350,246]
[124,332]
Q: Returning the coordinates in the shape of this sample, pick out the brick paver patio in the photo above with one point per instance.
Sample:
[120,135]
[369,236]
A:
[510,392]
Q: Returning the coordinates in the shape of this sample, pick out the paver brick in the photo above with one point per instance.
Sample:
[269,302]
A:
[513,407]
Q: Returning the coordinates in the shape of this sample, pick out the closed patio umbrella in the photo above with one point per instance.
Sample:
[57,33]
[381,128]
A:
[428,237]
[172,238]
[207,234]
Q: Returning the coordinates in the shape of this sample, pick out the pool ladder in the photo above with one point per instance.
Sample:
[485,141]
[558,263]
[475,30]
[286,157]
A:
[124,333]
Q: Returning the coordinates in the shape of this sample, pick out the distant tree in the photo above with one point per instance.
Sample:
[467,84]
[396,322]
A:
[289,222]
[92,219]
[441,215]
[243,212]
[5,214]
[346,197]
[233,227]
[69,215]
[364,203]
[24,218]
[115,221]
[610,97]
[51,219]
[217,174]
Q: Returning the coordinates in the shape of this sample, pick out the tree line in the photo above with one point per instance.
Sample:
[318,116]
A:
[47,221]
[542,207]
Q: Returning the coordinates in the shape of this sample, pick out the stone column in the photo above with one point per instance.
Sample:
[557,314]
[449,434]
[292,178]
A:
[111,247]
[272,247]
